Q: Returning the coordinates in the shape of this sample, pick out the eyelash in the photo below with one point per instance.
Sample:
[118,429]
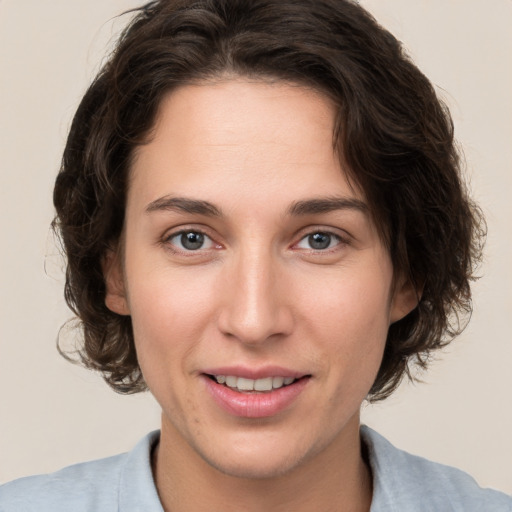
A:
[167,241]
[341,241]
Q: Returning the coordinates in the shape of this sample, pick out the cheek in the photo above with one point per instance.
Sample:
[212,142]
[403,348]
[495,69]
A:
[354,305]
[351,321]
[169,311]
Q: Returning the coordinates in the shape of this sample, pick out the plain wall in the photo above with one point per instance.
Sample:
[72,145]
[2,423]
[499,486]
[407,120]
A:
[53,414]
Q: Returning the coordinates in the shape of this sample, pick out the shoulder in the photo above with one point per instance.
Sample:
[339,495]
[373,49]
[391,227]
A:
[81,487]
[97,486]
[406,482]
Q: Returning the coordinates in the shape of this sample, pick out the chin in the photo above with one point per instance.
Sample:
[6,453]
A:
[256,468]
[261,457]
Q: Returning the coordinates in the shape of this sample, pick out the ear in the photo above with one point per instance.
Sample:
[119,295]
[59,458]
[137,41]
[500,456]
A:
[405,298]
[115,296]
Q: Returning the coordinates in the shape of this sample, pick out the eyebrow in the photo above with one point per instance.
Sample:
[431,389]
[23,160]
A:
[325,205]
[298,208]
[185,205]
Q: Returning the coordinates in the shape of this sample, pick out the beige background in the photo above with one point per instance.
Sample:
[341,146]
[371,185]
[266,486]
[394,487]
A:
[53,414]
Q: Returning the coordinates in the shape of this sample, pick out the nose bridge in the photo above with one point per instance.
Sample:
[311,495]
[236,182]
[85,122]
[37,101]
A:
[254,310]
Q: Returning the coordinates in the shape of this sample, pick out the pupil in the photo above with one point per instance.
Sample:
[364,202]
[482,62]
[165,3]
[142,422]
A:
[192,241]
[319,241]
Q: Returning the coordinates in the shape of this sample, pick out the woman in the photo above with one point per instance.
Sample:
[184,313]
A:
[265,225]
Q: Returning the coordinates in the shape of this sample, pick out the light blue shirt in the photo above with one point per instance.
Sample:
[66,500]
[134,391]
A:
[124,483]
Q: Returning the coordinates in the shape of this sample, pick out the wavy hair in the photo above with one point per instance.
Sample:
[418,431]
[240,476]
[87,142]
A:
[393,134]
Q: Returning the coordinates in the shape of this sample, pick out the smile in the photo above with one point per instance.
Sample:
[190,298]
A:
[245,385]
[254,398]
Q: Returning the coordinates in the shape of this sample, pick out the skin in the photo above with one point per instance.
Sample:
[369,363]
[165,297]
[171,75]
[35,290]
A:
[255,294]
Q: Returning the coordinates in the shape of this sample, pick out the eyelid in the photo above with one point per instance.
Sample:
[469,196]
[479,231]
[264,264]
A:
[177,231]
[343,237]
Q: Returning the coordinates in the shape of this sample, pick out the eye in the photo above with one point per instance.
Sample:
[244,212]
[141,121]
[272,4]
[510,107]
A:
[319,241]
[190,241]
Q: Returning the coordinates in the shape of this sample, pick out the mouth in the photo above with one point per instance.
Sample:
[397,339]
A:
[254,386]
[262,397]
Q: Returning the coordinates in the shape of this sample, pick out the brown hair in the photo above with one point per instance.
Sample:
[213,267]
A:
[393,134]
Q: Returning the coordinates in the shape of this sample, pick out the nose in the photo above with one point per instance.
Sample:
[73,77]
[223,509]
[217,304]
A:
[256,307]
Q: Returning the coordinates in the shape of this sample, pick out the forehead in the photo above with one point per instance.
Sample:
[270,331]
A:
[240,138]
[242,111]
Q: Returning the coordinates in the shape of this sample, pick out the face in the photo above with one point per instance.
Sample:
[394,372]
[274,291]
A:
[259,290]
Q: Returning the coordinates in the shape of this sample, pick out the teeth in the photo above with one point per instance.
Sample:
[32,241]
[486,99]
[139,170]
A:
[230,381]
[277,382]
[243,384]
[263,384]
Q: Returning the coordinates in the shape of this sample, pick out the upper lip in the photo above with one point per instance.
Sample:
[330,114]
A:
[255,373]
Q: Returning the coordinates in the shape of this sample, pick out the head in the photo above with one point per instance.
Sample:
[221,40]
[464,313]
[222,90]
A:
[390,133]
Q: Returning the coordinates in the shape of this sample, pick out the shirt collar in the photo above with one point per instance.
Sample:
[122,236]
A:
[137,490]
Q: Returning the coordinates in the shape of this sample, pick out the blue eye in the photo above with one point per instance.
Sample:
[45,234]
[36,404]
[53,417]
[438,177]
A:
[319,241]
[191,241]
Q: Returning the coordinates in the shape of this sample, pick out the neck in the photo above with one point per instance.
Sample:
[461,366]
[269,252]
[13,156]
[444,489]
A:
[336,479]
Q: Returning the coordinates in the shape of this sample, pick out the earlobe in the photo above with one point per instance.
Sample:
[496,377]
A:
[405,299]
[115,294]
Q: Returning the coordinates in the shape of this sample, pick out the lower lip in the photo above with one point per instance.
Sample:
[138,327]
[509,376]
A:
[255,405]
